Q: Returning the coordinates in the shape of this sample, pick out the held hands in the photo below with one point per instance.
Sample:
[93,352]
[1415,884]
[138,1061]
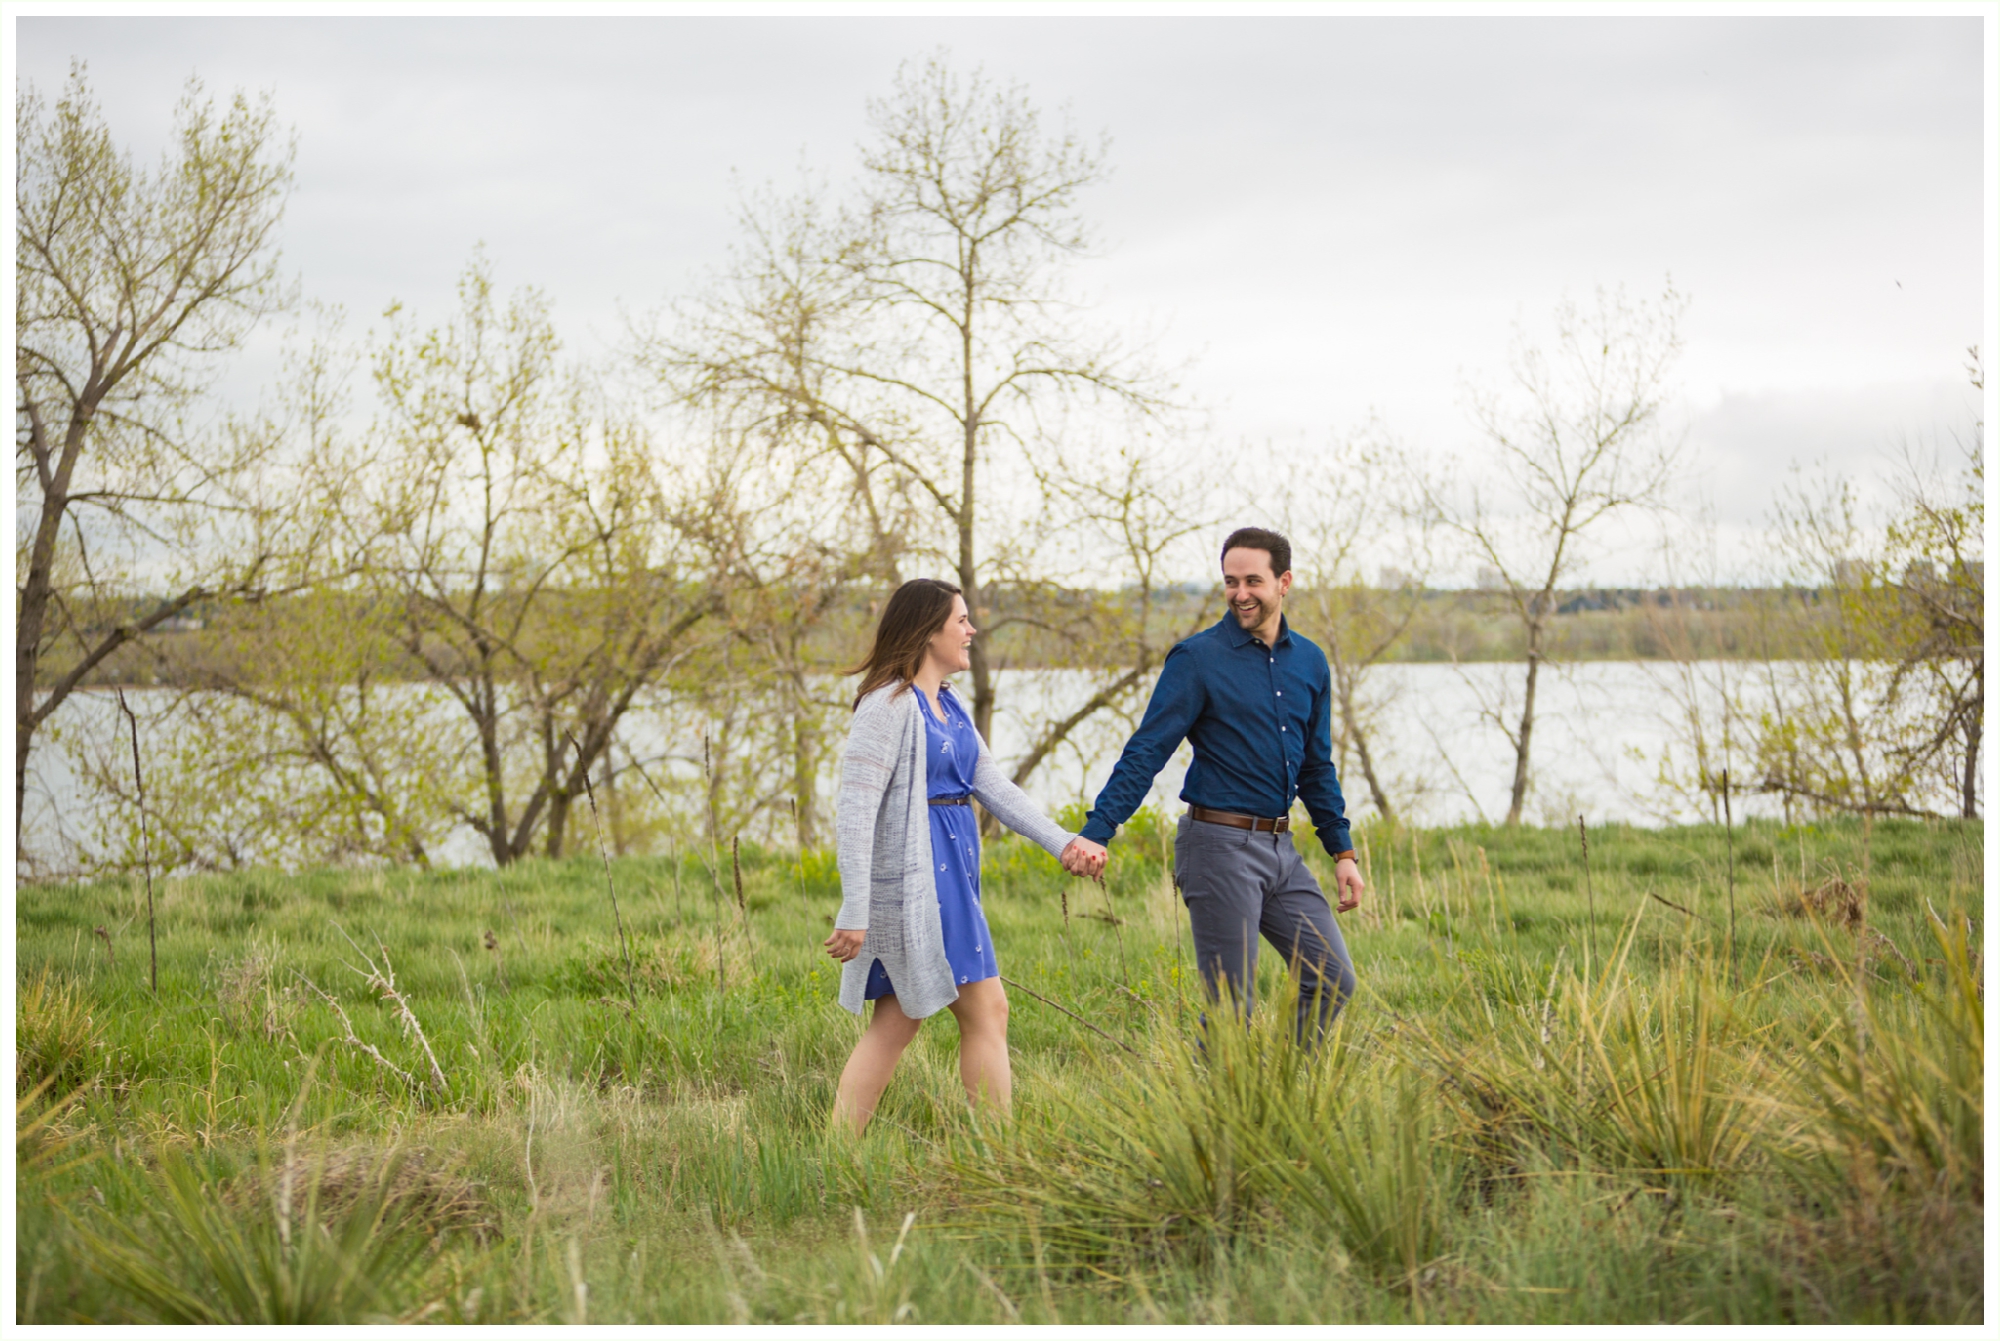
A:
[844,945]
[1347,878]
[1085,858]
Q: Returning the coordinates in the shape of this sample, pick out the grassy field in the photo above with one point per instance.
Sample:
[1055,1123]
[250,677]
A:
[1513,1124]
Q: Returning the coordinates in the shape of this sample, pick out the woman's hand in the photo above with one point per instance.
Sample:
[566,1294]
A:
[1085,858]
[844,945]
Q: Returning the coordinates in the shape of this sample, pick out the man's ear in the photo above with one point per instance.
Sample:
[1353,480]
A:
[1285,583]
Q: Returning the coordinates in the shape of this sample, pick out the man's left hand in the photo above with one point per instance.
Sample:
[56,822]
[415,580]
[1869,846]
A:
[1347,878]
[1084,858]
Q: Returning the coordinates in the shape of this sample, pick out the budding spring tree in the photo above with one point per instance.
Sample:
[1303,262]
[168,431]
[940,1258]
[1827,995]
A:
[129,287]
[920,334]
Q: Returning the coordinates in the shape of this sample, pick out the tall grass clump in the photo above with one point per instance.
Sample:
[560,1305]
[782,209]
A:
[322,1239]
[1659,1078]
[1243,1133]
[59,1045]
[1894,1097]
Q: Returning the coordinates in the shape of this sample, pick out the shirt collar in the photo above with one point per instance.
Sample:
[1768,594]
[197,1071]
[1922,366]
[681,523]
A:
[1240,637]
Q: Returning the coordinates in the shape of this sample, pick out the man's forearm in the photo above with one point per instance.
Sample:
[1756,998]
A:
[1328,809]
[1169,714]
[1121,796]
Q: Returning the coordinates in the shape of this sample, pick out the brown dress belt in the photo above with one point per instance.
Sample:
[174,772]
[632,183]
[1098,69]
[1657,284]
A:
[1207,816]
[951,800]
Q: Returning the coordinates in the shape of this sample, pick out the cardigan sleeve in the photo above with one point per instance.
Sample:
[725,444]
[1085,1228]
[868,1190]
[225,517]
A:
[865,772]
[1011,806]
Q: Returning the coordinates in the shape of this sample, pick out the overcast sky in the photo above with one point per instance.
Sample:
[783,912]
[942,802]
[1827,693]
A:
[1333,215]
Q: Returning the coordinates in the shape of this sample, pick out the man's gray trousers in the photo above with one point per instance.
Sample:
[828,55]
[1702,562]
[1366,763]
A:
[1238,883]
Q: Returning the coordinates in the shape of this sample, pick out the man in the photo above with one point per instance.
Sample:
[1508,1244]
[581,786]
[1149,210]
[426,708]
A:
[1253,698]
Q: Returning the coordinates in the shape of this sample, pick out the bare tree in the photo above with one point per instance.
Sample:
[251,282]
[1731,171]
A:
[922,332]
[790,577]
[1363,504]
[756,359]
[129,286]
[1123,513]
[1577,443]
[1705,675]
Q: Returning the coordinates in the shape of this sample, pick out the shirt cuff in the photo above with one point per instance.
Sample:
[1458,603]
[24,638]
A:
[1098,832]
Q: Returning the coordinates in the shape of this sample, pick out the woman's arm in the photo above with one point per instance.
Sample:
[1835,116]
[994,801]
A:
[865,772]
[1011,806]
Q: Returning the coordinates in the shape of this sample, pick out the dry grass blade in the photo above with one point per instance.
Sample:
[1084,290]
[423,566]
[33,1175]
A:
[354,1040]
[382,978]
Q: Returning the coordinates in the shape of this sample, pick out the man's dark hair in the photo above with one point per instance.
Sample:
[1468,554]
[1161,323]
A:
[1256,537]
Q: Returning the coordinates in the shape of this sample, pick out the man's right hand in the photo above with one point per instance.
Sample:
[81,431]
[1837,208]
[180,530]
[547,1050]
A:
[844,945]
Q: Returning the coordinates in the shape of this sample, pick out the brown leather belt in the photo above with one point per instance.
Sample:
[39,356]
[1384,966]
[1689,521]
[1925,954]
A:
[1251,822]
[951,800]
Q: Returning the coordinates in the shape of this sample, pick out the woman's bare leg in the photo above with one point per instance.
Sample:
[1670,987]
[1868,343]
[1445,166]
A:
[871,1064]
[981,1009]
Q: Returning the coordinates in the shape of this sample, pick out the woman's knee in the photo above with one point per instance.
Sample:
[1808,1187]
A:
[981,1008]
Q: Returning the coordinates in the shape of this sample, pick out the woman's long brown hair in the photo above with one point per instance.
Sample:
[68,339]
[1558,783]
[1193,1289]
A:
[915,613]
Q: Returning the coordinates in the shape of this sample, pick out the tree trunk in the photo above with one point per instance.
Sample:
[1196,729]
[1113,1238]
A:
[805,774]
[39,586]
[558,822]
[1351,728]
[23,733]
[496,796]
[1376,794]
[1518,797]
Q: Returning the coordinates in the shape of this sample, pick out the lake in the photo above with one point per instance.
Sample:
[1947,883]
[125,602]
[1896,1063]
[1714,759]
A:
[1602,732]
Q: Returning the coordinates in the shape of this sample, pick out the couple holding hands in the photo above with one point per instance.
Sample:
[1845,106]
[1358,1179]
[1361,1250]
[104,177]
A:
[1250,696]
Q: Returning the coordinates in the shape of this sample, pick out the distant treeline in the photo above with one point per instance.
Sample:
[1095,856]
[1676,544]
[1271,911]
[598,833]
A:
[220,641]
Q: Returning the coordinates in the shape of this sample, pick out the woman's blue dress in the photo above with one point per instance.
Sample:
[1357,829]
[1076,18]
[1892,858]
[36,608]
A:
[951,753]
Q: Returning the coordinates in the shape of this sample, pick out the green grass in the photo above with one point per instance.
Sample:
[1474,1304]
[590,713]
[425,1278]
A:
[1509,1126]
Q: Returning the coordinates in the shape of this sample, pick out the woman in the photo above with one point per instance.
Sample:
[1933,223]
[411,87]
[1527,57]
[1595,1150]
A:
[911,932]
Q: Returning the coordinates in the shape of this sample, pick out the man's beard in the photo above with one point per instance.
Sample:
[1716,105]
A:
[1249,618]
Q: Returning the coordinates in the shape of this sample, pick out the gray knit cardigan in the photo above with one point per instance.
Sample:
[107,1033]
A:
[884,834]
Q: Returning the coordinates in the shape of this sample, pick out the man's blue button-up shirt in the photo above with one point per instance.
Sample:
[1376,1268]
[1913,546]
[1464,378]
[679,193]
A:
[1260,721]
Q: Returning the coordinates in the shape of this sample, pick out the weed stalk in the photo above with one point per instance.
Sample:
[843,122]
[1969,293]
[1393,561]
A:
[604,855]
[145,841]
[1729,843]
[714,866]
[1590,899]
[1124,973]
[736,873]
[1057,1005]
